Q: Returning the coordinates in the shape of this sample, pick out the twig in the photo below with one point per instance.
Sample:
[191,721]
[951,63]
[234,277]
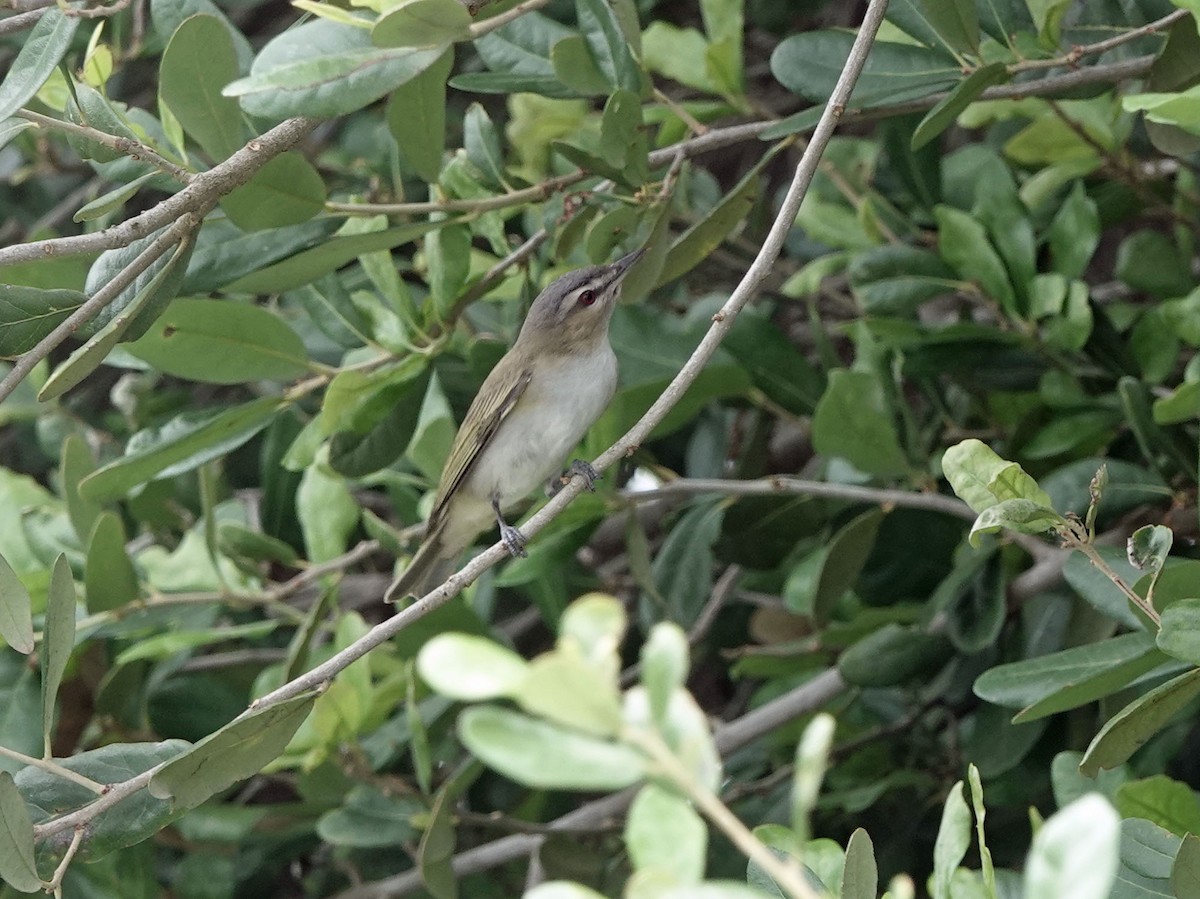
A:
[52,767]
[316,572]
[199,197]
[1072,58]
[55,882]
[479,29]
[20,22]
[126,146]
[780,484]
[101,298]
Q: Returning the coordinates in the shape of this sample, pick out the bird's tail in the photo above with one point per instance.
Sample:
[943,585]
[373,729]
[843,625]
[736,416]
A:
[431,565]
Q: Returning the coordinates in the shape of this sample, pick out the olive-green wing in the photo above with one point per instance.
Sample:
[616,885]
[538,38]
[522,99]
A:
[488,410]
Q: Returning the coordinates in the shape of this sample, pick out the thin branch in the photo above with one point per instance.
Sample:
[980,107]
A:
[1072,58]
[55,882]
[780,484]
[134,149]
[52,767]
[20,22]
[479,29]
[101,298]
[198,198]
[315,572]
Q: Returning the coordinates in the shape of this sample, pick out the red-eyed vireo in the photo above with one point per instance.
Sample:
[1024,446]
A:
[531,411]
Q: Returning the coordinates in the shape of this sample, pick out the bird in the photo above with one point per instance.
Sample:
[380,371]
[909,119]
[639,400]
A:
[531,411]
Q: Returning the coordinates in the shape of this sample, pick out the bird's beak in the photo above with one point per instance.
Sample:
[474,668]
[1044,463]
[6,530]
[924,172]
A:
[625,263]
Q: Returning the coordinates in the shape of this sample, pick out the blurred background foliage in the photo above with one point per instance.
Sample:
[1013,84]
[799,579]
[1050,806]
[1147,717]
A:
[999,245]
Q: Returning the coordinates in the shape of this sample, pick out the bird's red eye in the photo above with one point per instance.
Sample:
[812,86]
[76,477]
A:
[587,297]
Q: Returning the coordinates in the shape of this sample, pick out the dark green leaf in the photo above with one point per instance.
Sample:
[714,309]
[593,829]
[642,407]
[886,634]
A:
[324,69]
[955,21]
[683,568]
[776,366]
[809,65]
[16,621]
[1166,802]
[1130,728]
[968,90]
[964,245]
[197,63]
[1179,635]
[370,819]
[852,421]
[235,752]
[58,639]
[845,555]
[1074,233]
[607,44]
[17,867]
[109,579]
[285,191]
[416,117]
[309,265]
[421,23]
[27,314]
[250,342]
[860,878]
[182,444]
[155,291]
[892,655]
[40,52]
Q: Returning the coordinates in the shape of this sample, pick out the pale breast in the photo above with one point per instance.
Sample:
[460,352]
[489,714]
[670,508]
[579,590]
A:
[562,401]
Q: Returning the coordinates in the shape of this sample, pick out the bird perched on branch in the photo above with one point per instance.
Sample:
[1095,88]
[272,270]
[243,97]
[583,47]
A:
[532,409]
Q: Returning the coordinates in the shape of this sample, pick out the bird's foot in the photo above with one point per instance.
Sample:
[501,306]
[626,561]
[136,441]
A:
[578,467]
[514,541]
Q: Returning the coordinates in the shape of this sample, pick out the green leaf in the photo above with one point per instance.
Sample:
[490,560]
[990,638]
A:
[679,54]
[1150,261]
[964,244]
[1020,515]
[665,666]
[422,23]
[16,619]
[114,199]
[1179,633]
[1074,233]
[197,63]
[1074,854]
[323,69]
[664,834]
[519,57]
[327,511]
[87,358]
[370,819]
[697,242]
[981,478]
[238,750]
[853,421]
[953,840]
[543,755]
[58,639]
[250,342]
[860,877]
[1149,546]
[810,64]
[184,443]
[109,579]
[285,191]
[683,568]
[812,761]
[892,655]
[955,21]
[237,541]
[470,668]
[309,265]
[610,51]
[224,254]
[942,115]
[154,288]
[174,642]
[482,144]
[1064,680]
[40,52]
[27,314]
[10,128]
[1185,872]
[985,855]
[416,117]
[17,868]
[1047,17]
[619,127]
[561,687]
[845,555]
[1163,800]
[1130,728]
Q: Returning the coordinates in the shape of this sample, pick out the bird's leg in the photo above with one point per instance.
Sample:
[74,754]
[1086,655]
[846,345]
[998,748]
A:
[514,540]
[578,467]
